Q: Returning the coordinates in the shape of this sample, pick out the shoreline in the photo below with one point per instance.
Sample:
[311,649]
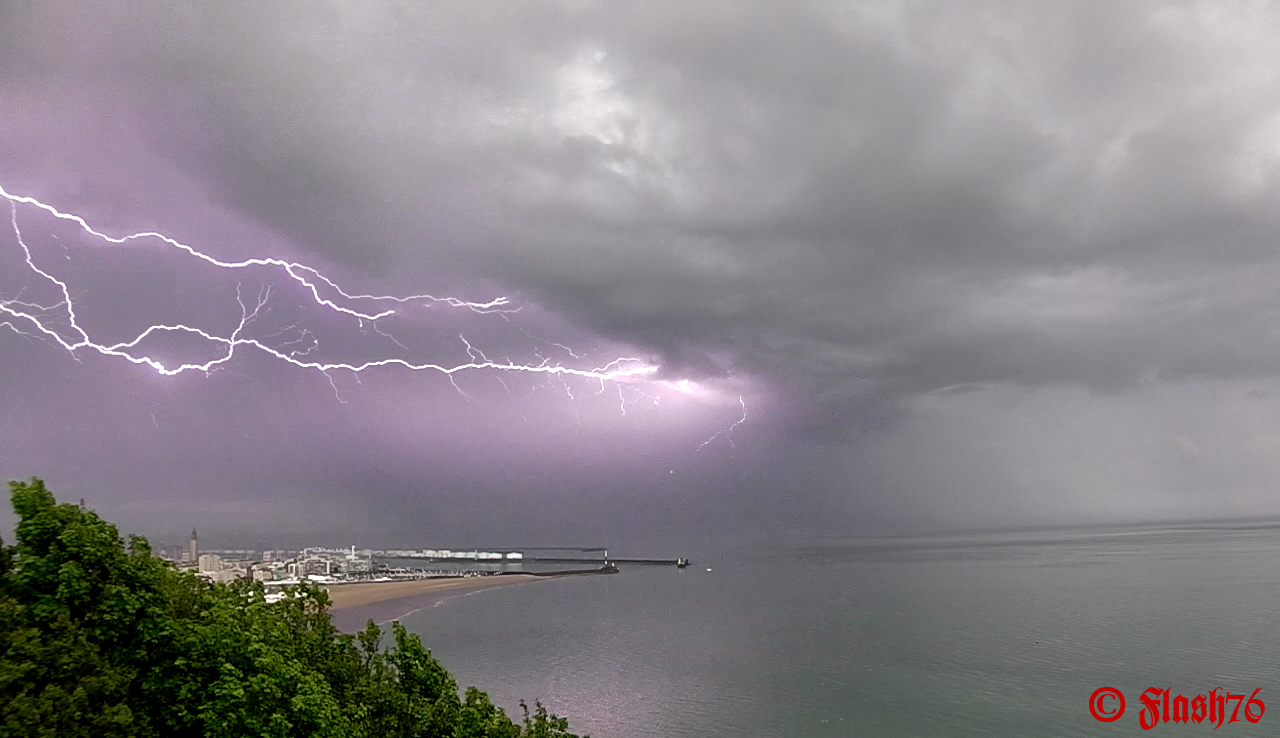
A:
[343,596]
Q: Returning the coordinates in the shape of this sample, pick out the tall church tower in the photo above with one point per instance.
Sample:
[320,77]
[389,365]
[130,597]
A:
[194,551]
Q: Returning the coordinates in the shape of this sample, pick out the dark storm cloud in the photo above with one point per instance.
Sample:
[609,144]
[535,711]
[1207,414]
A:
[934,194]
[868,207]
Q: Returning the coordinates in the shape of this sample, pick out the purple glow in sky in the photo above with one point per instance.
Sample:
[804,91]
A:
[872,266]
[50,308]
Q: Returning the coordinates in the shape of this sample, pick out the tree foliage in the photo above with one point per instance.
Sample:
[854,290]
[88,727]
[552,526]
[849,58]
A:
[100,639]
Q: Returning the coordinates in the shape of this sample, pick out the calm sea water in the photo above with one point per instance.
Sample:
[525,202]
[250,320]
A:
[979,635]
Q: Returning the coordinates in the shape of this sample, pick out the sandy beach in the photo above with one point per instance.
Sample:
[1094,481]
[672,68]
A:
[367,593]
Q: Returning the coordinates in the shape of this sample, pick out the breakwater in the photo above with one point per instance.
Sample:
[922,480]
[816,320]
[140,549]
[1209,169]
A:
[579,560]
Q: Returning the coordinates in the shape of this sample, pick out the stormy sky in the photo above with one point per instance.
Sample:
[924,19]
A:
[965,265]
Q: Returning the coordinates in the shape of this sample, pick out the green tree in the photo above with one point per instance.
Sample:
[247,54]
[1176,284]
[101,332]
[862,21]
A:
[99,638]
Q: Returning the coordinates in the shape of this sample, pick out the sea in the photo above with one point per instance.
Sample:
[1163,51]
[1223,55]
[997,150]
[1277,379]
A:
[984,634]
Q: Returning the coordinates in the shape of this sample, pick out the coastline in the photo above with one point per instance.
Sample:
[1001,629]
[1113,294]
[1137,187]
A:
[344,596]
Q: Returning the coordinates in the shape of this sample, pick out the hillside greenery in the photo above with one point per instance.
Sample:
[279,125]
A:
[98,638]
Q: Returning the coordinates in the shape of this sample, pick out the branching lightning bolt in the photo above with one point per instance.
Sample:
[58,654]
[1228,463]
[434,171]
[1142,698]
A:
[728,432]
[34,320]
[543,340]
[294,270]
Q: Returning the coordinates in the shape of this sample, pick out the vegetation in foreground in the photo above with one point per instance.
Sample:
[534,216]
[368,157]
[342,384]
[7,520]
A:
[99,639]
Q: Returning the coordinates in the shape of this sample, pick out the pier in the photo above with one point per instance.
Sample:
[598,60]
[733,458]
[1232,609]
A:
[538,555]
[578,560]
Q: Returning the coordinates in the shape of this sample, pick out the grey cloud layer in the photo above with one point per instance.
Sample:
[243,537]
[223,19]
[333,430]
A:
[858,202]
[921,194]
